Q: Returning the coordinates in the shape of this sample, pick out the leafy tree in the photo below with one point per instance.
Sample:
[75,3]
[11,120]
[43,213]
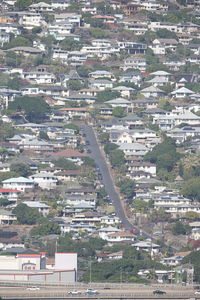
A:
[103,137]
[140,205]
[164,104]
[119,112]
[19,41]
[98,33]
[107,95]
[194,259]
[74,85]
[164,154]
[191,189]
[70,44]
[35,108]
[83,71]
[166,34]
[6,131]
[72,126]
[23,4]
[21,169]
[117,158]
[36,30]
[43,135]
[26,215]
[127,187]
[65,164]
[109,147]
[180,228]
[4,202]
[192,215]
[46,228]
[88,161]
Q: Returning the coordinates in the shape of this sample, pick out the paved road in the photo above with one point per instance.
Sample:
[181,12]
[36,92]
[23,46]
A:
[136,292]
[106,177]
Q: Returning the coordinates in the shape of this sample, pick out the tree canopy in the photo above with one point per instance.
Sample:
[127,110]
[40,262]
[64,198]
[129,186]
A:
[27,215]
[35,108]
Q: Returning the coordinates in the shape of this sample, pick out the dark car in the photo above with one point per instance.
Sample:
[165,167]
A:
[87,142]
[159,292]
[89,151]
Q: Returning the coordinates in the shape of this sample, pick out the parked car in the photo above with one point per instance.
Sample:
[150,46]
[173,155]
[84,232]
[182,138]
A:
[89,151]
[33,288]
[92,292]
[159,292]
[197,293]
[75,292]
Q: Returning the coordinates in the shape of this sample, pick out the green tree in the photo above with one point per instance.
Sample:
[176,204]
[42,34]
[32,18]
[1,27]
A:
[4,202]
[23,4]
[166,34]
[43,135]
[74,85]
[72,126]
[107,95]
[35,108]
[104,137]
[83,71]
[180,228]
[119,112]
[164,155]
[46,228]
[88,161]
[127,187]
[6,131]
[109,147]
[21,169]
[19,41]
[70,44]
[26,215]
[117,158]
[140,205]
[65,164]
[191,189]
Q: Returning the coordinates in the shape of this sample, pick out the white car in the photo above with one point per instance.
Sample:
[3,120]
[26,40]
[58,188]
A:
[33,288]
[75,292]
[197,293]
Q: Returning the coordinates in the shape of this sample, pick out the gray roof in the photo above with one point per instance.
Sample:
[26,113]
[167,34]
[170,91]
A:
[18,180]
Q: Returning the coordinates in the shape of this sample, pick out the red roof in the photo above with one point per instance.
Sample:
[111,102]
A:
[9,191]
[69,153]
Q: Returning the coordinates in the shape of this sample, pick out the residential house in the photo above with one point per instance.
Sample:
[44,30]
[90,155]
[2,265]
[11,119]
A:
[132,77]
[41,7]
[101,74]
[119,102]
[4,37]
[76,112]
[105,231]
[39,77]
[147,246]
[19,183]
[40,206]
[159,46]
[182,93]
[134,62]
[182,134]
[120,237]
[125,91]
[10,194]
[45,180]
[136,149]
[68,175]
[71,154]
[152,91]
[60,4]
[29,20]
[7,217]
[101,84]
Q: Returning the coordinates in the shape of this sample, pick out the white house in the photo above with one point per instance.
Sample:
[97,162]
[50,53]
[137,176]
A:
[104,232]
[19,183]
[45,180]
[182,93]
[133,149]
[40,206]
[7,217]
[10,194]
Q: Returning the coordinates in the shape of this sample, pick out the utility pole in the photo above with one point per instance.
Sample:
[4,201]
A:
[90,270]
